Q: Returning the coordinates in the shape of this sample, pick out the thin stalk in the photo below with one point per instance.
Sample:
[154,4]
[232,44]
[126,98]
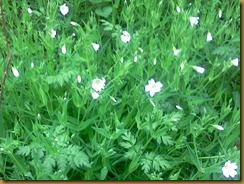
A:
[8,56]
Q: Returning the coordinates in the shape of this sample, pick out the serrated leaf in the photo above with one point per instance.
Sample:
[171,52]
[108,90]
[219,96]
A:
[167,140]
[62,162]
[23,150]
[81,159]
[126,145]
[160,162]
[146,165]
[48,164]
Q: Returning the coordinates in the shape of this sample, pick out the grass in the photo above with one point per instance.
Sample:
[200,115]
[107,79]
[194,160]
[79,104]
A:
[53,129]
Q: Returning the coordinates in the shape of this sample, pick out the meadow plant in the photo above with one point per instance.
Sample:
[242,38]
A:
[120,90]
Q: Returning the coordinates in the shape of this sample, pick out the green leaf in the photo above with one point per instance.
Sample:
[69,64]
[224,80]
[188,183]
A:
[81,159]
[104,12]
[62,162]
[49,163]
[23,150]
[160,162]
[167,140]
[104,173]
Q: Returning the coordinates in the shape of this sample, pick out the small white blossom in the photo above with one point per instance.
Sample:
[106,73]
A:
[63,49]
[98,84]
[141,50]
[38,116]
[73,34]
[153,87]
[229,169]
[125,37]
[122,60]
[64,9]
[29,10]
[218,127]
[32,65]
[15,72]
[53,33]
[235,61]
[199,69]
[178,107]
[95,46]
[135,59]
[74,23]
[176,51]
[194,20]
[178,9]
[209,37]
[95,95]
[220,13]
[154,61]
[78,78]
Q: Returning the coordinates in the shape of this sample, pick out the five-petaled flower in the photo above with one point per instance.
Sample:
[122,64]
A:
[153,87]
[194,20]
[125,37]
[98,84]
[229,169]
[64,9]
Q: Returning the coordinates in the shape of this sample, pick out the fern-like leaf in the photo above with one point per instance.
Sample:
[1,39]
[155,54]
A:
[49,163]
[24,151]
[81,159]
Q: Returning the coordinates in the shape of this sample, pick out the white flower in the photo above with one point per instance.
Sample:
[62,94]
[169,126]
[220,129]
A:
[98,84]
[95,95]
[63,49]
[229,169]
[209,37]
[73,34]
[235,61]
[29,10]
[125,37]
[178,107]
[53,33]
[135,59]
[74,23]
[32,65]
[218,127]
[153,87]
[176,51]
[64,9]
[78,78]
[141,50]
[15,72]
[38,116]
[194,20]
[95,46]
[122,60]
[154,61]
[199,69]
[220,13]
[178,9]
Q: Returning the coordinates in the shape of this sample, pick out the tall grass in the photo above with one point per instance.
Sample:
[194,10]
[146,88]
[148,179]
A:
[54,128]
